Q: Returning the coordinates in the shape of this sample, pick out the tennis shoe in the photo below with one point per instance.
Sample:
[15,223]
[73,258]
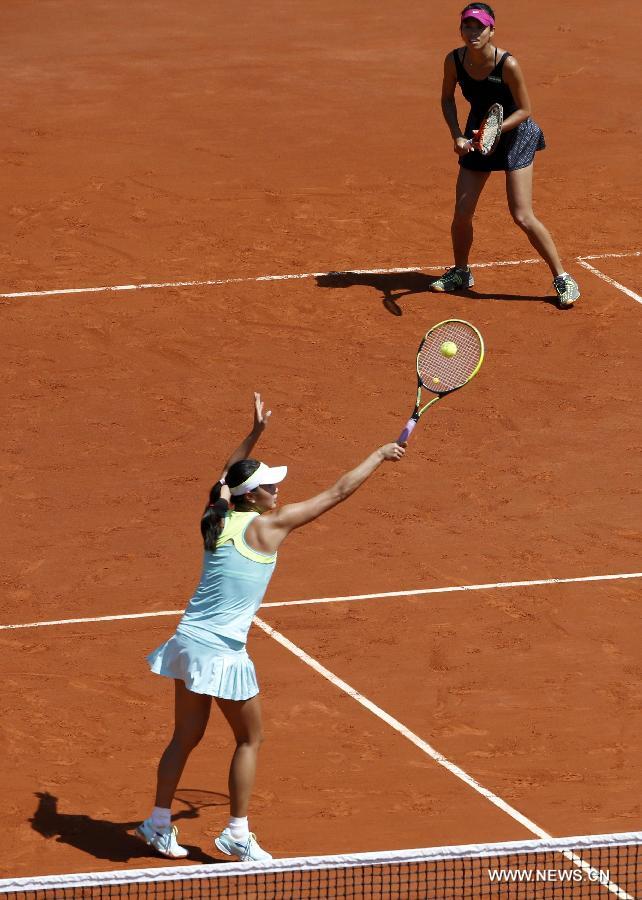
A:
[454,279]
[566,289]
[163,840]
[247,850]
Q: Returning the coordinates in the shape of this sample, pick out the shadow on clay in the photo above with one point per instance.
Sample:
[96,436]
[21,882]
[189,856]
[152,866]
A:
[395,285]
[103,839]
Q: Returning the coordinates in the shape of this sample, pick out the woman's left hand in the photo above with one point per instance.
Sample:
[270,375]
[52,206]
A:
[261,416]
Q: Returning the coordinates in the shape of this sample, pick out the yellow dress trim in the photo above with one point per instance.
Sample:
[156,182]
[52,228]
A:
[234,531]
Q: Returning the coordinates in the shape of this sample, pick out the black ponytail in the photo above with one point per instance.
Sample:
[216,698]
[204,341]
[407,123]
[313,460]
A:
[217,508]
[212,518]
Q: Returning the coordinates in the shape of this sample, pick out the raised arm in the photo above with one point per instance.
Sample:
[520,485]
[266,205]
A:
[247,444]
[266,533]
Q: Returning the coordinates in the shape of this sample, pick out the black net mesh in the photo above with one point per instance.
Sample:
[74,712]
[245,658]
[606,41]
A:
[604,866]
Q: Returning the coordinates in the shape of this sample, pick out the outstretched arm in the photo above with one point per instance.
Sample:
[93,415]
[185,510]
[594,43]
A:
[247,444]
[268,532]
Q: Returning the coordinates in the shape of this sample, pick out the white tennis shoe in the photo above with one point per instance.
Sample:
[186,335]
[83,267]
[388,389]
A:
[246,850]
[163,840]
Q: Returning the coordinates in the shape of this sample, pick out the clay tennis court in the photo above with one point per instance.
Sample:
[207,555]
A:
[149,145]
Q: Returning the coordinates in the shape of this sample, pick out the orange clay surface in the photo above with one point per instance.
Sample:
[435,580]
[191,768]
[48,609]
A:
[155,142]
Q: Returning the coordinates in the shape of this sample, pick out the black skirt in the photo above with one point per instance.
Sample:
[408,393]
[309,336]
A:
[516,149]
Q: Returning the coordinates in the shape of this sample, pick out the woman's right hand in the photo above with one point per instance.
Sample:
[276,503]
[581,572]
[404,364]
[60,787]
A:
[261,415]
[393,452]
[462,146]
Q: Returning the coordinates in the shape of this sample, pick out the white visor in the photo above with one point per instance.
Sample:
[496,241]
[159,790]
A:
[263,475]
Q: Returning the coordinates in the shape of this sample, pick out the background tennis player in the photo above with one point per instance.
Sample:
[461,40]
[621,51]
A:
[486,75]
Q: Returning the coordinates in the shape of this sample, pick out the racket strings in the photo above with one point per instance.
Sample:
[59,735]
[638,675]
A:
[491,128]
[440,373]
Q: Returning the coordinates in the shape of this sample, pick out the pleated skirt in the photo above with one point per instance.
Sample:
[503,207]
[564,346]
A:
[223,670]
[516,150]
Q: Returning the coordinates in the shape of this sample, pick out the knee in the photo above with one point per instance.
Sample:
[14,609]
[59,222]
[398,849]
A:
[252,740]
[188,738]
[463,215]
[524,219]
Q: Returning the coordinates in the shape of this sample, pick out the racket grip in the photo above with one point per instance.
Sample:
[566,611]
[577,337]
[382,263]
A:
[407,431]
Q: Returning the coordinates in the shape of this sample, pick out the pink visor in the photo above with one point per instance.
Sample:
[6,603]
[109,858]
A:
[480,14]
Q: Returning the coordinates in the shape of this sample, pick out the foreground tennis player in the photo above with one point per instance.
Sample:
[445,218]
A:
[206,656]
[486,75]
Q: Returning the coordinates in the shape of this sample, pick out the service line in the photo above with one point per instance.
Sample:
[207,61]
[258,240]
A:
[347,599]
[15,295]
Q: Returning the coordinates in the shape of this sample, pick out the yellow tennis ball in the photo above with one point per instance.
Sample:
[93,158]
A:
[448,348]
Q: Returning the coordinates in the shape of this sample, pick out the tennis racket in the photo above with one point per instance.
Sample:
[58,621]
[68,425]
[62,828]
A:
[450,355]
[489,132]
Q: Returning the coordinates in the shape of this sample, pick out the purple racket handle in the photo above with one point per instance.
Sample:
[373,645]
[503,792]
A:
[408,430]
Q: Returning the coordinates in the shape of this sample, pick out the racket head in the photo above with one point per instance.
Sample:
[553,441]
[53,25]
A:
[440,373]
[490,129]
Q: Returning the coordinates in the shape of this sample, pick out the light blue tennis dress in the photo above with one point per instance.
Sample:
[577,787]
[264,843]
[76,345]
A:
[207,651]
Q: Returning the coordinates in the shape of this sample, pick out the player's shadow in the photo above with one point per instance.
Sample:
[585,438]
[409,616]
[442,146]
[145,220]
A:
[393,286]
[104,839]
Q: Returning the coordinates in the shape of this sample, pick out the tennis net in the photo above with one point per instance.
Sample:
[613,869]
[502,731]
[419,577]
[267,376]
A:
[590,866]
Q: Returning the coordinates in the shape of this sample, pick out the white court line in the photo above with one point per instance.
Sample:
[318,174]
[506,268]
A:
[462,587]
[611,281]
[434,754]
[398,726]
[301,275]
[610,255]
[347,599]
[377,711]
[220,281]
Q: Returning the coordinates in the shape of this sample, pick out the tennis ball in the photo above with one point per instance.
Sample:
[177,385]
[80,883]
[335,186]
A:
[449,348]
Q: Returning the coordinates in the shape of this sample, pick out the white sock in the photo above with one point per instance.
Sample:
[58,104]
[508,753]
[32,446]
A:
[239,828]
[161,817]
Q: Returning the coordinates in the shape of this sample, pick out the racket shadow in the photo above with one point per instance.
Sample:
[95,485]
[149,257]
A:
[391,285]
[396,285]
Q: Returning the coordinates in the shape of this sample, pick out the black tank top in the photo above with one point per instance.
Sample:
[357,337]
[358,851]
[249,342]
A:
[482,94]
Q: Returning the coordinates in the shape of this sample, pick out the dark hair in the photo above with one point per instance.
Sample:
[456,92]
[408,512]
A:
[217,508]
[483,6]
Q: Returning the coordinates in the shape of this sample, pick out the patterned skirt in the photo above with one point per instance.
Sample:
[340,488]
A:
[516,149]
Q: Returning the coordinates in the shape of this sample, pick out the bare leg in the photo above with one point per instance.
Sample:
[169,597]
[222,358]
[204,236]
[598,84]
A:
[468,190]
[192,712]
[244,718]
[519,190]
